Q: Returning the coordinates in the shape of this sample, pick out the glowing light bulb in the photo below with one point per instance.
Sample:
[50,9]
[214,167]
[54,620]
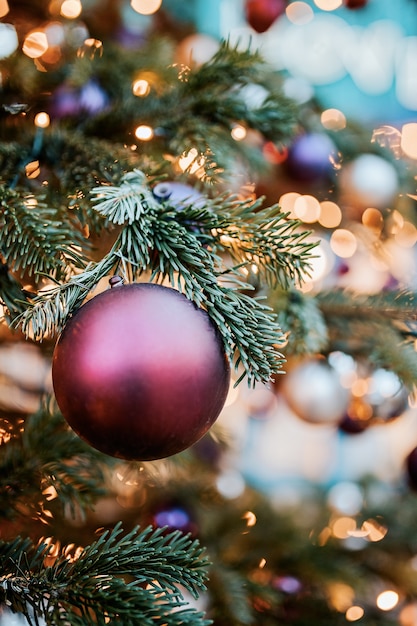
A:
[409,140]
[238,132]
[343,243]
[35,44]
[146,7]
[307,209]
[330,214]
[328,5]
[71,9]
[333,119]
[299,13]
[141,87]
[354,613]
[387,600]
[42,120]
[144,132]
[4,8]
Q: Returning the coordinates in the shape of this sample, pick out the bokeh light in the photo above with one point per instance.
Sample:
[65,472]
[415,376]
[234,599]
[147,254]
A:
[328,5]
[4,8]
[144,132]
[343,243]
[35,44]
[354,613]
[71,9]
[333,119]
[330,214]
[387,600]
[146,7]
[42,120]
[299,13]
[409,140]
[141,87]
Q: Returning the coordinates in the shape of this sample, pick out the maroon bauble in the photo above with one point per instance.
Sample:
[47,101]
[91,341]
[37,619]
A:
[261,14]
[140,372]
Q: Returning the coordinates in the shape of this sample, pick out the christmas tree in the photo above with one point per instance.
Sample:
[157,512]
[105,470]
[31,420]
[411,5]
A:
[184,246]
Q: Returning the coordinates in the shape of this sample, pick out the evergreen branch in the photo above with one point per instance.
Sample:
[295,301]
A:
[300,317]
[29,468]
[34,238]
[170,243]
[134,577]
[374,326]
[125,203]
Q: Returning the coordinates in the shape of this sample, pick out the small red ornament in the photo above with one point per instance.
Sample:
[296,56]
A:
[355,4]
[261,14]
[140,372]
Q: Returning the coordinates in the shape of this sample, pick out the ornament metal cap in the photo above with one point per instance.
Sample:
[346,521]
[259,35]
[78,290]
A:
[115,281]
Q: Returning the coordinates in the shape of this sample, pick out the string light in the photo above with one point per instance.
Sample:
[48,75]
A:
[42,120]
[343,243]
[71,9]
[387,600]
[409,140]
[238,132]
[328,5]
[35,44]
[299,13]
[330,214]
[141,87]
[333,119]
[4,8]
[144,132]
[354,613]
[146,7]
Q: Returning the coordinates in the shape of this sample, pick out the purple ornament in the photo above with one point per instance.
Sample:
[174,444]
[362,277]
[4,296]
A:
[140,372]
[178,195]
[65,102]
[93,99]
[310,157]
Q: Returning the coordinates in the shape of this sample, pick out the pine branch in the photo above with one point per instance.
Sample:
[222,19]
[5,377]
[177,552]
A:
[29,469]
[34,238]
[134,578]
[377,327]
[167,242]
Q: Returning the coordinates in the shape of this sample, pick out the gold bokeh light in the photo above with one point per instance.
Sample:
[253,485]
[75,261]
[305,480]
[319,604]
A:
[146,7]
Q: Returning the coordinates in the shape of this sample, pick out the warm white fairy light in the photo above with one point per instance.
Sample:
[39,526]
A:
[42,120]
[146,7]
[328,5]
[238,132]
[354,613]
[330,214]
[144,132]
[35,44]
[343,243]
[299,13]
[141,87]
[333,119]
[71,9]
[409,140]
[287,202]
[4,8]
[387,600]
[307,209]
[190,161]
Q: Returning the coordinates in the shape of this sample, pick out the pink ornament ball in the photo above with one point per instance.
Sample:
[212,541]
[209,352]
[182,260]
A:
[140,372]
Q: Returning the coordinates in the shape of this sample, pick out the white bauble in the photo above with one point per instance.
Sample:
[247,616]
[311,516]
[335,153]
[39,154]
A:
[369,181]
